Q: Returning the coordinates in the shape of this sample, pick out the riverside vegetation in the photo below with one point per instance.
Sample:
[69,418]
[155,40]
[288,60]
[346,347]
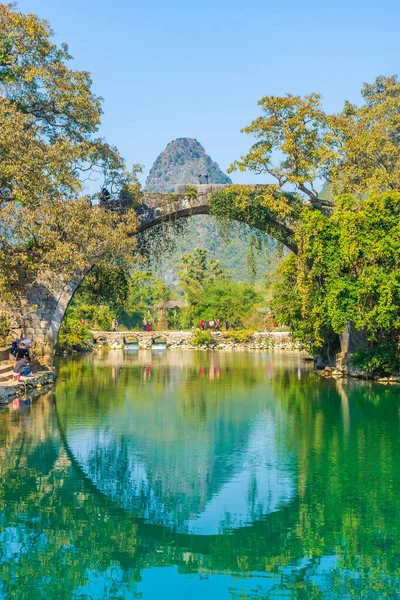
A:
[338,290]
[207,288]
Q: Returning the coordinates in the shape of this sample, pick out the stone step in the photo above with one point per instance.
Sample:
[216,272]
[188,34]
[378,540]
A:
[6,367]
[6,370]
[6,377]
[4,353]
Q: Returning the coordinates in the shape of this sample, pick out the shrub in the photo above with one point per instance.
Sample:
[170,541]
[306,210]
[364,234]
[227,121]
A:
[191,191]
[240,335]
[73,334]
[381,360]
[103,317]
[201,338]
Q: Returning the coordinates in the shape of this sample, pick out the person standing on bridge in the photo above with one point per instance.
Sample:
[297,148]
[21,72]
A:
[148,326]
[144,324]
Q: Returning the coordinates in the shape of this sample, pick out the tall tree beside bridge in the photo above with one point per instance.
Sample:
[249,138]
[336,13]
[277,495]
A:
[49,117]
[344,282]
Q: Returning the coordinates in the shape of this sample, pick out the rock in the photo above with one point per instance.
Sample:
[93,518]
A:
[337,374]
[184,161]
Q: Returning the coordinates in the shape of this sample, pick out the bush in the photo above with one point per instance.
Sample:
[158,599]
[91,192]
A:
[103,317]
[191,191]
[381,360]
[201,338]
[73,334]
[3,330]
[240,336]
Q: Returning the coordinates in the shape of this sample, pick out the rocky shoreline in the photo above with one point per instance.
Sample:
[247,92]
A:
[335,373]
[17,389]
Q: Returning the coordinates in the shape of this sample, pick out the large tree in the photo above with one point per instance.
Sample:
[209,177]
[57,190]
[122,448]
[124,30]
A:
[49,117]
[356,150]
[344,281]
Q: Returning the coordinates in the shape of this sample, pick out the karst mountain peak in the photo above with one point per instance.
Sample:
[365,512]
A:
[184,161]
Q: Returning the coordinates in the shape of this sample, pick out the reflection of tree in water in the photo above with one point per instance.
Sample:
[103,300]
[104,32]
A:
[51,524]
[55,526]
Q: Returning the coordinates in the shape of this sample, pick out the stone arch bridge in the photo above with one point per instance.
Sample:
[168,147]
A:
[43,310]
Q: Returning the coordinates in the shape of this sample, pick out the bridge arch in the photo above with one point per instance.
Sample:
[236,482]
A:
[45,309]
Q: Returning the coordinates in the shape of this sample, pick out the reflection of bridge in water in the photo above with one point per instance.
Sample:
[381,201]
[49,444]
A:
[152,458]
[60,501]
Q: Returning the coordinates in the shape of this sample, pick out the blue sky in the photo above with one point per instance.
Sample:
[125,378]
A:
[169,69]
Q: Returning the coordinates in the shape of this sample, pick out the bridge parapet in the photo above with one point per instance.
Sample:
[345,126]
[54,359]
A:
[183,203]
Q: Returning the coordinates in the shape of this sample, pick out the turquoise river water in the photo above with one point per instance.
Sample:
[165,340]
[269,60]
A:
[200,475]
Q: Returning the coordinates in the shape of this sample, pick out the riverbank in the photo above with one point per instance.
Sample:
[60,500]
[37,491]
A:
[334,373]
[16,389]
[261,341]
[185,340]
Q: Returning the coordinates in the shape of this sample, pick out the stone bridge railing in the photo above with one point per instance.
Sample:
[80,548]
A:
[158,207]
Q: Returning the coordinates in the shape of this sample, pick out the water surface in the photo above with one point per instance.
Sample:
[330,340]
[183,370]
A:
[192,475]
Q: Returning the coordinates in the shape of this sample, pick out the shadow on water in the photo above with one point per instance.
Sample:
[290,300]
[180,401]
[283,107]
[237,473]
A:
[187,475]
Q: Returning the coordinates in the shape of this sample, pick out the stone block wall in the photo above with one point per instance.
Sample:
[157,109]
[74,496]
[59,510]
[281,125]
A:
[40,315]
[183,339]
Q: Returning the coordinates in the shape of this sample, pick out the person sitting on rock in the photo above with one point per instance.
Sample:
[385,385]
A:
[22,352]
[22,368]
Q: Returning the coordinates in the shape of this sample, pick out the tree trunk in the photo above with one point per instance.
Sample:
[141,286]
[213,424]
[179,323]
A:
[329,351]
[351,340]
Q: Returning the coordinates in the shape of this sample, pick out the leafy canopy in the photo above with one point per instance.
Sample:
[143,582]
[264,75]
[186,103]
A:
[196,270]
[357,151]
[347,270]
[49,116]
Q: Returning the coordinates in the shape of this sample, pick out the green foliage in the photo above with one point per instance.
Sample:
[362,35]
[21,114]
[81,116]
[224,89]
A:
[73,334]
[210,292]
[348,270]
[287,305]
[227,301]
[102,317]
[239,335]
[3,330]
[191,191]
[145,292]
[356,151]
[49,117]
[265,208]
[227,242]
[109,292]
[196,271]
[382,359]
[106,283]
[202,338]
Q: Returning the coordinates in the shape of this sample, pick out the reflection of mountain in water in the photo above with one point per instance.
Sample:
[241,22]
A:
[61,538]
[222,470]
